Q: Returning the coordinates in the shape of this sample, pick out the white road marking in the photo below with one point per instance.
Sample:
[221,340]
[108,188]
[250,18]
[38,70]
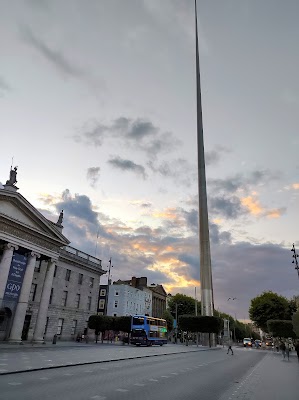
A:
[153,380]
[3,370]
[14,383]
[164,376]
[98,397]
[88,371]
[139,384]
[3,364]
[174,373]
[68,374]
[44,379]
[121,390]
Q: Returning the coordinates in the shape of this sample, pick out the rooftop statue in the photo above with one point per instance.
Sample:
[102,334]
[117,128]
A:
[12,177]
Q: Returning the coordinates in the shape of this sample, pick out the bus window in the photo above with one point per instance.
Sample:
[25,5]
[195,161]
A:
[138,320]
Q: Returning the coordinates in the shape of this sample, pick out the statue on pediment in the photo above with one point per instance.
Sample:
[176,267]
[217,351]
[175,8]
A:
[12,177]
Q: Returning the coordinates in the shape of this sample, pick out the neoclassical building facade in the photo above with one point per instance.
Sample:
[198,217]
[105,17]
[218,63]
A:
[47,287]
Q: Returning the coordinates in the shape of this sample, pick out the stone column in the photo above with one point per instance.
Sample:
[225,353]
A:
[38,336]
[19,317]
[5,266]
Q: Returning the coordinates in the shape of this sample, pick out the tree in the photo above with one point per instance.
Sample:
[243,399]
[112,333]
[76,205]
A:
[100,323]
[122,323]
[186,305]
[295,321]
[203,324]
[269,306]
[281,329]
[169,320]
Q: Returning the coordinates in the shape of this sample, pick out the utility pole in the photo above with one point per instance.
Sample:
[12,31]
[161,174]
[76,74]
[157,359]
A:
[196,315]
[295,261]
[109,283]
[235,339]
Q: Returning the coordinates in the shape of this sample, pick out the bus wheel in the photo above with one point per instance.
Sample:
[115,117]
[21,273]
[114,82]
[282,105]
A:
[161,344]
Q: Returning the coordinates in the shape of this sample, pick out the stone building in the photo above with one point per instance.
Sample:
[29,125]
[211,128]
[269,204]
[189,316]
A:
[46,286]
[154,295]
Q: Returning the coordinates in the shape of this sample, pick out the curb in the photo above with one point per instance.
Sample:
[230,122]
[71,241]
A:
[101,362]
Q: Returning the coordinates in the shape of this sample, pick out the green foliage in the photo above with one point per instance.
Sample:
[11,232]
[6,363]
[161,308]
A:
[295,321]
[269,306]
[186,305]
[191,323]
[102,323]
[169,320]
[122,324]
[280,328]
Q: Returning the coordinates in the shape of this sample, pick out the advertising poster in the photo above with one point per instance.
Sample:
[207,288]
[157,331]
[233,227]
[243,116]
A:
[15,277]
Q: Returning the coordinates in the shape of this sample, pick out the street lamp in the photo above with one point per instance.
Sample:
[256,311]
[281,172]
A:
[295,261]
[234,298]
[176,319]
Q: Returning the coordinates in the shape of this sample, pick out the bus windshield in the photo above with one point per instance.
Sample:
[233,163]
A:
[138,320]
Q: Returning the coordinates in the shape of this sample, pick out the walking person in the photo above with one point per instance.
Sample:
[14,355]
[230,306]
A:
[288,351]
[297,349]
[283,349]
[230,349]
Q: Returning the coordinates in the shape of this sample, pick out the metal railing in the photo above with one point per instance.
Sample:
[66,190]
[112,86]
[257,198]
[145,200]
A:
[81,255]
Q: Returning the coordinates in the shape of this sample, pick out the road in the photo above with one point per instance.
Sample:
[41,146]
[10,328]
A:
[205,375]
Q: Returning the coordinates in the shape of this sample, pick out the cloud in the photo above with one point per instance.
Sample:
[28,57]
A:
[4,86]
[56,58]
[93,174]
[242,181]
[128,165]
[295,186]
[140,134]
[212,157]
[142,204]
[254,207]
[227,207]
[178,169]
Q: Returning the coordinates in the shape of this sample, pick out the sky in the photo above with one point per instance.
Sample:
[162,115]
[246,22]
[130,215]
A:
[98,111]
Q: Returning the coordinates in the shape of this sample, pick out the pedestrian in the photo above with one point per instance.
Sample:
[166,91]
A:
[230,349]
[283,349]
[288,349]
[297,349]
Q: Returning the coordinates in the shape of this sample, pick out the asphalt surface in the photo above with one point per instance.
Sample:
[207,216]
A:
[191,374]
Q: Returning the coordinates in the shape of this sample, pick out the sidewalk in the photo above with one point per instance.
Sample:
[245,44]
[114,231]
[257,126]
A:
[18,358]
[272,378]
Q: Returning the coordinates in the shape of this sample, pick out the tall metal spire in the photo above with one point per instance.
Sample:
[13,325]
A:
[207,301]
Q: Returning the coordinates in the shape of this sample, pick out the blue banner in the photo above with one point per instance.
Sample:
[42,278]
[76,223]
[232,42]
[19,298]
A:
[15,277]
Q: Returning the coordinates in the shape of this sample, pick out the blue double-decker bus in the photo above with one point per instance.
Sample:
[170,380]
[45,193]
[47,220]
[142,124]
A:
[148,331]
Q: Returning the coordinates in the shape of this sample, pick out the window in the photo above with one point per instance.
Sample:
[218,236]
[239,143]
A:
[51,296]
[114,315]
[80,280]
[116,293]
[60,326]
[89,303]
[103,292]
[55,271]
[115,303]
[37,265]
[101,304]
[74,327]
[91,281]
[46,326]
[77,300]
[68,275]
[64,298]
[32,292]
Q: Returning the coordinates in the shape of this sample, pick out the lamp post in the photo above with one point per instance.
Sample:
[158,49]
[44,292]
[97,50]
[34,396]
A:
[176,318]
[109,282]
[235,339]
[295,261]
